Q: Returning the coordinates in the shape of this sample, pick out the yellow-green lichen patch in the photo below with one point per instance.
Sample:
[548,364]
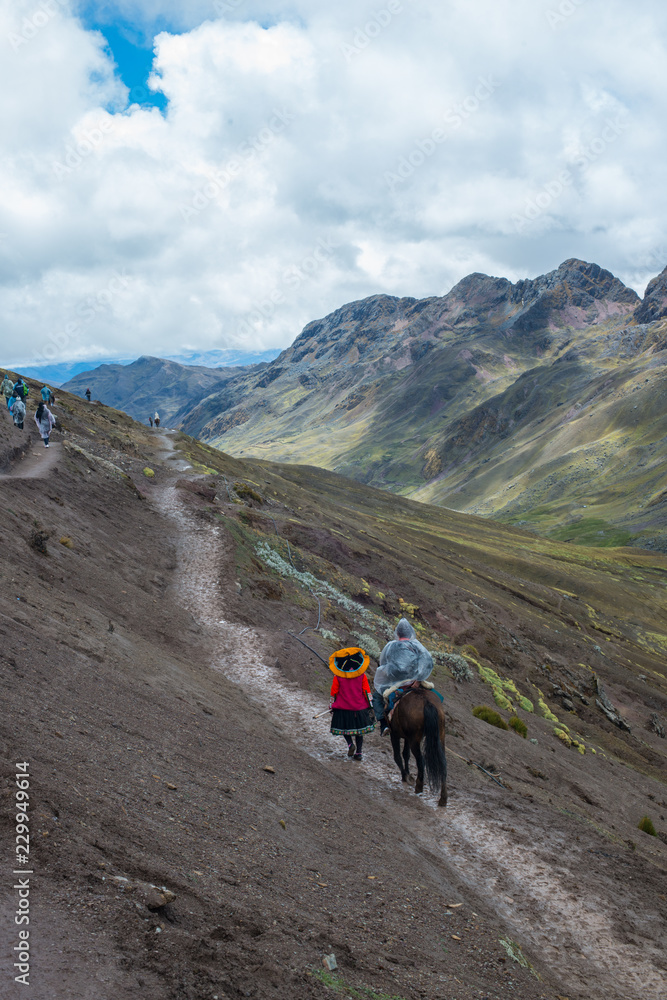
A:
[545,711]
[563,736]
[570,741]
[501,700]
[502,687]
[514,952]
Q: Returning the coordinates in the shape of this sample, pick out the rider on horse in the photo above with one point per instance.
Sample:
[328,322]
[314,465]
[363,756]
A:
[404,659]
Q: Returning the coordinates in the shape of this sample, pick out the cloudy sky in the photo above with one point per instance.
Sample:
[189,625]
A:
[216,173]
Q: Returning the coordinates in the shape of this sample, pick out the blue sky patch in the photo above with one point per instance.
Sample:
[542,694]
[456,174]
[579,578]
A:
[132,50]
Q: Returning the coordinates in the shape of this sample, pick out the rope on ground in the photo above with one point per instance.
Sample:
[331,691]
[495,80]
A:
[472,763]
[308,647]
[309,628]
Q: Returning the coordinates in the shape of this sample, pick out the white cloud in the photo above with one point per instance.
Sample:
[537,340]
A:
[263,198]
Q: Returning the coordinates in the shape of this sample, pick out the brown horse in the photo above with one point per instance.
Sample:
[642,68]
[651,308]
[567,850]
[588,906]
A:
[418,716]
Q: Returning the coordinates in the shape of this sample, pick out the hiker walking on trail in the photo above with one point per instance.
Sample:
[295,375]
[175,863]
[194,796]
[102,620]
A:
[156,418]
[7,388]
[46,394]
[17,410]
[350,698]
[21,389]
[150,421]
[88,394]
[45,422]
[402,660]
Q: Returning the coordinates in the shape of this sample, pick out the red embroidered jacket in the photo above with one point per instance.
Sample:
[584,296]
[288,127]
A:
[351,693]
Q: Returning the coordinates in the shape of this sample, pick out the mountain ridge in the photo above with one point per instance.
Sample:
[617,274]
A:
[439,398]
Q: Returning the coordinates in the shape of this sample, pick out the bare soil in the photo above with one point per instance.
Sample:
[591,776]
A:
[148,679]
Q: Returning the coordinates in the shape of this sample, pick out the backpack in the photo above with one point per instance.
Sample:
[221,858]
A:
[18,411]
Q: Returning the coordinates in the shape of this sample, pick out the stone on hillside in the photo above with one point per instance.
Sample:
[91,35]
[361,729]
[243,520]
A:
[152,896]
[656,726]
[603,703]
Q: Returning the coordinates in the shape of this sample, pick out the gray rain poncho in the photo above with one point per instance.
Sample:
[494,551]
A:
[402,659]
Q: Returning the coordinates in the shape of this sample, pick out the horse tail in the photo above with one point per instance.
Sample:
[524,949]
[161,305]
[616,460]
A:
[434,752]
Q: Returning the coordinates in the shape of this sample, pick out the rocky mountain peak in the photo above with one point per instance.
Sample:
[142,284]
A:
[654,305]
[579,283]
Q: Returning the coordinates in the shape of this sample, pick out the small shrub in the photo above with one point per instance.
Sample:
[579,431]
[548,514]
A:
[38,540]
[67,542]
[458,667]
[646,825]
[487,714]
[247,493]
[519,726]
[149,474]
[469,650]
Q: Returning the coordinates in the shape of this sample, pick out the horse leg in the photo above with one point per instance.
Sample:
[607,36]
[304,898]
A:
[416,749]
[406,758]
[396,745]
[443,787]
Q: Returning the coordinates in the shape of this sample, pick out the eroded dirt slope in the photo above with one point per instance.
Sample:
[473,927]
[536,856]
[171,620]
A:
[147,676]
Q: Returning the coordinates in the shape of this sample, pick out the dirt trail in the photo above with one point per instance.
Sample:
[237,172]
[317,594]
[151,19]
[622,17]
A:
[36,463]
[588,923]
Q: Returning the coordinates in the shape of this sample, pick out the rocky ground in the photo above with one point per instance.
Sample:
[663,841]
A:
[149,680]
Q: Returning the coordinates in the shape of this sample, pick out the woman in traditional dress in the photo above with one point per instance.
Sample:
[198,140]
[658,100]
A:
[350,698]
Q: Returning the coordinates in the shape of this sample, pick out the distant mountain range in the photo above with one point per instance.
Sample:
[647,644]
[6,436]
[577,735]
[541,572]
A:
[62,372]
[541,403]
[154,384]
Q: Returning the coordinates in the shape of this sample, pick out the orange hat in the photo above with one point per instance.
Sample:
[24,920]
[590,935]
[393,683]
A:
[349,662]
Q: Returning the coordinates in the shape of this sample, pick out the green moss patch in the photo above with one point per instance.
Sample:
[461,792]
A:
[338,985]
[519,726]
[487,714]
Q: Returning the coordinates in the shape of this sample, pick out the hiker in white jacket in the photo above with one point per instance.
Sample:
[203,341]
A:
[45,422]
[403,659]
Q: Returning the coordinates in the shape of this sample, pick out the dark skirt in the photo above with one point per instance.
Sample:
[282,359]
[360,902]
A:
[345,722]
